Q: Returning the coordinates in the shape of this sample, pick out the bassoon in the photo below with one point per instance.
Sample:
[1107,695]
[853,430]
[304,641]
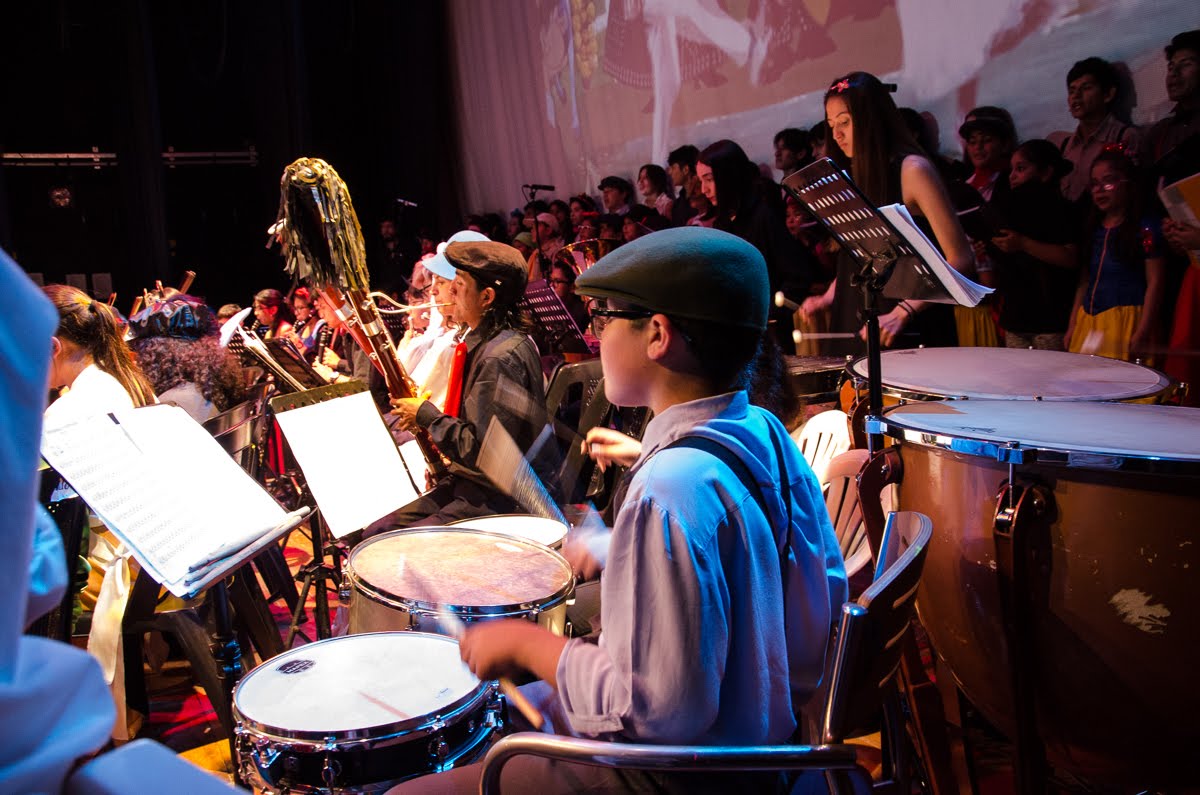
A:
[323,243]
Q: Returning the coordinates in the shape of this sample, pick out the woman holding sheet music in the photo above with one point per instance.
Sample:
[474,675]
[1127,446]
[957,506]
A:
[867,136]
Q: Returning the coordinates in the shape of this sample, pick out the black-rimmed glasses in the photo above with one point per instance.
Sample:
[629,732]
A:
[601,316]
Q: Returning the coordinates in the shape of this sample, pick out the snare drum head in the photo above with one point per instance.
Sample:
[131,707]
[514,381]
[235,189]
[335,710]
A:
[548,532]
[383,680]
[1128,430]
[1013,374]
[460,568]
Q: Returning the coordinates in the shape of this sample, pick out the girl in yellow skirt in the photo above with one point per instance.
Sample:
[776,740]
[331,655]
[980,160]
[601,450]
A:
[1120,292]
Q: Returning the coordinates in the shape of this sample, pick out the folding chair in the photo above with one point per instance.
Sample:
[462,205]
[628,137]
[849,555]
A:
[862,686]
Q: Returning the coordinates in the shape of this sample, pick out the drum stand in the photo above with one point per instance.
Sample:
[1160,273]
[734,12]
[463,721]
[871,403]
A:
[321,573]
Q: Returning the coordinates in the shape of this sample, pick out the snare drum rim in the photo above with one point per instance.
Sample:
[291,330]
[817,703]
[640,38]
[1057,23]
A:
[466,612]
[1167,386]
[1018,452]
[369,736]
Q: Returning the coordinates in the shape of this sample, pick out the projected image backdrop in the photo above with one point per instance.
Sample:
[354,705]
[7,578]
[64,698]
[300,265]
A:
[566,91]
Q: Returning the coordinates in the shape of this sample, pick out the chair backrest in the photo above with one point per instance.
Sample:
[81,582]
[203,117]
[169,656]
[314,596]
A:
[872,629]
[575,397]
[822,438]
[845,509]
[577,381]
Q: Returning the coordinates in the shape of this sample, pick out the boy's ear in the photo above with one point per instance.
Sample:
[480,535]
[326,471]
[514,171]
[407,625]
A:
[658,338]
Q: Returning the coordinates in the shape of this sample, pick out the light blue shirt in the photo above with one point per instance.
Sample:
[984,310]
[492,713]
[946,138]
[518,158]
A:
[696,645]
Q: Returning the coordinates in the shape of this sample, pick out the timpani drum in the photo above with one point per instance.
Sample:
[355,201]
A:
[1115,594]
[1012,374]
[360,714]
[547,532]
[403,579]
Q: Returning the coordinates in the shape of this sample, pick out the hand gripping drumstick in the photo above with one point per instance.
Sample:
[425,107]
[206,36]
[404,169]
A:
[454,628]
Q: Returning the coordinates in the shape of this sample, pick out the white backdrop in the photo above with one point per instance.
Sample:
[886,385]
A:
[564,92]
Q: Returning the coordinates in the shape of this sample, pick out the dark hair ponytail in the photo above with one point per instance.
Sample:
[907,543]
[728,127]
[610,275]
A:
[93,327]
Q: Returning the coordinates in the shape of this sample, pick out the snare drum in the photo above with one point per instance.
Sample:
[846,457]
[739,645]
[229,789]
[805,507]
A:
[547,532]
[401,579]
[360,714]
[1116,598]
[1012,374]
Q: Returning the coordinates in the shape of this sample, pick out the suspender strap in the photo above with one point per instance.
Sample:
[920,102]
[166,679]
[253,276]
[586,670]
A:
[783,540]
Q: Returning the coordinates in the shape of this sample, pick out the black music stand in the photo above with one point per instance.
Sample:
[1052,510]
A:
[347,499]
[316,571]
[555,330]
[889,265]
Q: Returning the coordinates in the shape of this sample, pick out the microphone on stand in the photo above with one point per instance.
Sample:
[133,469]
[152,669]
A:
[405,202]
[538,187]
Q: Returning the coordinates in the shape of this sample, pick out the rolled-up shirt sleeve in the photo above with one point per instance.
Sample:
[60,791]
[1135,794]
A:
[656,673]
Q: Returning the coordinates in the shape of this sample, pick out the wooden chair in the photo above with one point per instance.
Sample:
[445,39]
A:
[862,686]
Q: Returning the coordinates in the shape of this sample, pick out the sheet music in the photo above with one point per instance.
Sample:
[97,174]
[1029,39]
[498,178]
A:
[921,272]
[961,289]
[164,486]
[350,461]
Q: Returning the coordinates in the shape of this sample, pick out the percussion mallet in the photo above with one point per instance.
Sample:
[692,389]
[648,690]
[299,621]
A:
[783,301]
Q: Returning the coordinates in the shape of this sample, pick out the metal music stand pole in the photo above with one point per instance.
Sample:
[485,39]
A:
[319,572]
[227,654]
[871,280]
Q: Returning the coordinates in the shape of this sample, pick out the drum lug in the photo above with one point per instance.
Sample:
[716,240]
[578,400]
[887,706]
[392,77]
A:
[414,619]
[259,756]
[1020,532]
[439,749]
[332,769]
[346,589]
[494,712]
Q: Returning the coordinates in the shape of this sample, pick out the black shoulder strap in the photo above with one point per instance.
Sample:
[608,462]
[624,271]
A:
[783,536]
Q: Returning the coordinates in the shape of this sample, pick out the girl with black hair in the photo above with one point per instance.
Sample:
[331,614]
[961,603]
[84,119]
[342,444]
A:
[867,136]
[273,314]
[751,207]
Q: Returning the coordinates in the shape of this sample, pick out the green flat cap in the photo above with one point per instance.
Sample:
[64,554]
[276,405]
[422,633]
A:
[689,272]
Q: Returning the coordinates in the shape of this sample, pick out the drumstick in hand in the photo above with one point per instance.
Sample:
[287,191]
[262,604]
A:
[454,627]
